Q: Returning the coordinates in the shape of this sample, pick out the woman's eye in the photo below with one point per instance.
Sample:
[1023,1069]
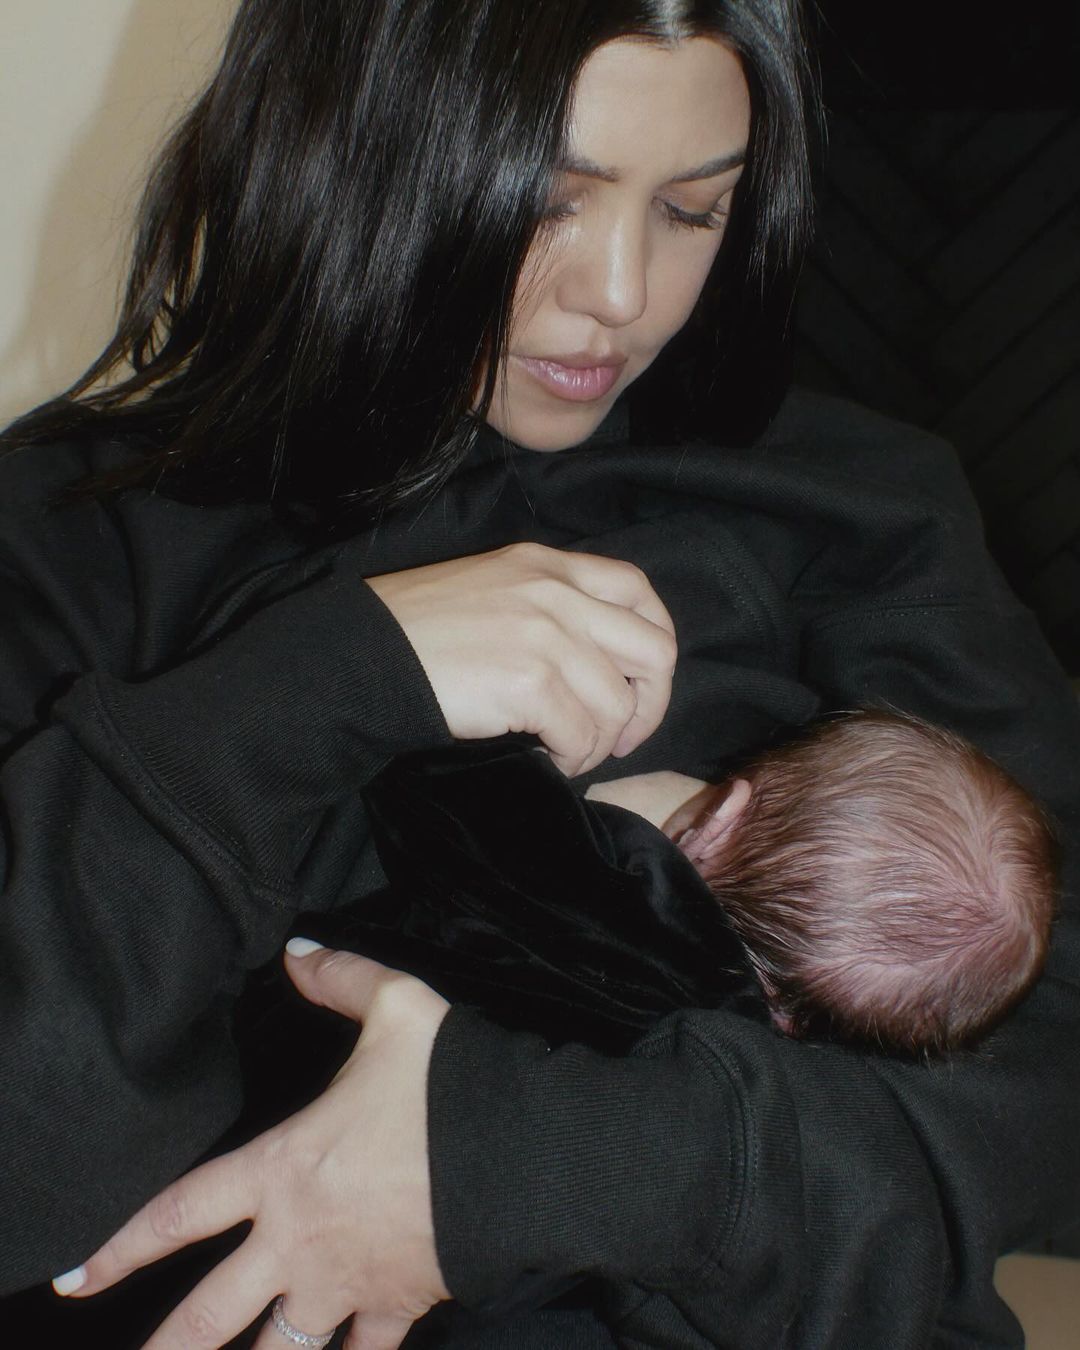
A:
[713,219]
[560,211]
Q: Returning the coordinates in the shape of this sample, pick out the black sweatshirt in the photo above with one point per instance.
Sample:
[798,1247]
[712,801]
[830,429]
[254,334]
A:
[191,707]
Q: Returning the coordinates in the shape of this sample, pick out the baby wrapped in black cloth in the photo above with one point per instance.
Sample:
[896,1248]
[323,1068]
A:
[879,880]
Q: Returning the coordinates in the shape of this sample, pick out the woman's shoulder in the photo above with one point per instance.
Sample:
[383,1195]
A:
[85,482]
[34,475]
[49,528]
[101,551]
[846,439]
[807,415]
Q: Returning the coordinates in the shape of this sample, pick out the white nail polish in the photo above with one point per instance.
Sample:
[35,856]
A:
[302,946]
[70,1281]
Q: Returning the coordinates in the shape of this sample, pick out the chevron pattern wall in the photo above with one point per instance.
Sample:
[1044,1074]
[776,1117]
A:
[945,290]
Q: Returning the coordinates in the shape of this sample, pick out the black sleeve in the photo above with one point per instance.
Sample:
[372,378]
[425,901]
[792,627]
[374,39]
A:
[154,808]
[740,1188]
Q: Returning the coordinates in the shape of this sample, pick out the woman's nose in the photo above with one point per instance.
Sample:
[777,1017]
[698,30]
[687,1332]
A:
[609,276]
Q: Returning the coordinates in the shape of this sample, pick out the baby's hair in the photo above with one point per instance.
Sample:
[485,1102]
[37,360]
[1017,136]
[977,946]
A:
[892,885]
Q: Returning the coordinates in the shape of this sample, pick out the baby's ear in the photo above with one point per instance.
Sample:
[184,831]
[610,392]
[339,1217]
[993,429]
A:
[713,830]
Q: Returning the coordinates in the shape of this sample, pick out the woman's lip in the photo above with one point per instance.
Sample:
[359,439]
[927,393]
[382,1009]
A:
[577,386]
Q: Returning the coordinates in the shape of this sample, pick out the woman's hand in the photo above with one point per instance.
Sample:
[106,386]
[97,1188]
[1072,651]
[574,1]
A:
[577,649]
[339,1193]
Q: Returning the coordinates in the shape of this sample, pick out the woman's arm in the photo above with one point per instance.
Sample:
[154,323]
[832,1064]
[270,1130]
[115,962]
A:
[754,1191]
[739,1188]
[189,715]
[736,1187]
[770,1192]
[166,752]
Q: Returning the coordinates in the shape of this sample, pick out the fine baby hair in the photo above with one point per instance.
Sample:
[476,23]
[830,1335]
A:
[892,885]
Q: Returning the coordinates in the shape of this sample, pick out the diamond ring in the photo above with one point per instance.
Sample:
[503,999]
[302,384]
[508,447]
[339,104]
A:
[285,1328]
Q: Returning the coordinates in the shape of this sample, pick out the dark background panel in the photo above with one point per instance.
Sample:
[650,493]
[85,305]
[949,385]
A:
[944,287]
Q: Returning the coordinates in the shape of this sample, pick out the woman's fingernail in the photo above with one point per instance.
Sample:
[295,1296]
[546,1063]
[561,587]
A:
[69,1282]
[302,946]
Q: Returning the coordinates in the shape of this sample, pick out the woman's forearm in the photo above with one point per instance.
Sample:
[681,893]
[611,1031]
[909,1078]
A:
[155,802]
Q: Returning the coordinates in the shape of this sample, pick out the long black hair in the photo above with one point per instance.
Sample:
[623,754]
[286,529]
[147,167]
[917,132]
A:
[328,245]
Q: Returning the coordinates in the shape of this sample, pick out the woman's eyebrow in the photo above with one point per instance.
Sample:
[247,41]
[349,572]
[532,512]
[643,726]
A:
[574,164]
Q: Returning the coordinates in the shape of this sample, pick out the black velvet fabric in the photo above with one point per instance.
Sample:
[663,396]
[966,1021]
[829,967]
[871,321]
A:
[575,919]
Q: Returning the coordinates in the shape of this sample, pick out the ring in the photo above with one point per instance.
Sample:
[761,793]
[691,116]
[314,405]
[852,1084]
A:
[285,1328]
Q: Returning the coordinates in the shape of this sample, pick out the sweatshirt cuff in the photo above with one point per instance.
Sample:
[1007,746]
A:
[565,1161]
[275,718]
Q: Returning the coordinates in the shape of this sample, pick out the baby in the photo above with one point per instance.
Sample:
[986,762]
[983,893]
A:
[890,883]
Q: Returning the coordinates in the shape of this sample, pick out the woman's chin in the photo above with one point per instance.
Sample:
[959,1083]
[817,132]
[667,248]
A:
[545,422]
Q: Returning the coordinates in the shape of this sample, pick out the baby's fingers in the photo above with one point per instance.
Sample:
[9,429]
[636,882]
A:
[208,1200]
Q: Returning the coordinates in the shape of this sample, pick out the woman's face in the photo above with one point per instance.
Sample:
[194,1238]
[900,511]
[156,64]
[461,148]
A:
[657,135]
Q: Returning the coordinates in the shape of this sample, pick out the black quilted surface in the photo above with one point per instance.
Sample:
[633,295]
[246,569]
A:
[945,285]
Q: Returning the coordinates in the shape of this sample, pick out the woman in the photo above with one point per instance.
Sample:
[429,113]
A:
[360,257]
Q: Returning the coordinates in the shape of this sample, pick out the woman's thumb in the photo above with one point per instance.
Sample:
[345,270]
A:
[342,981]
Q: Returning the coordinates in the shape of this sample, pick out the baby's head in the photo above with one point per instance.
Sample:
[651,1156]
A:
[891,883]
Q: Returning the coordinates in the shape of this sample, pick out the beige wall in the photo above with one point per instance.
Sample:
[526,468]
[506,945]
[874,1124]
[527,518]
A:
[87,88]
[1044,1292]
